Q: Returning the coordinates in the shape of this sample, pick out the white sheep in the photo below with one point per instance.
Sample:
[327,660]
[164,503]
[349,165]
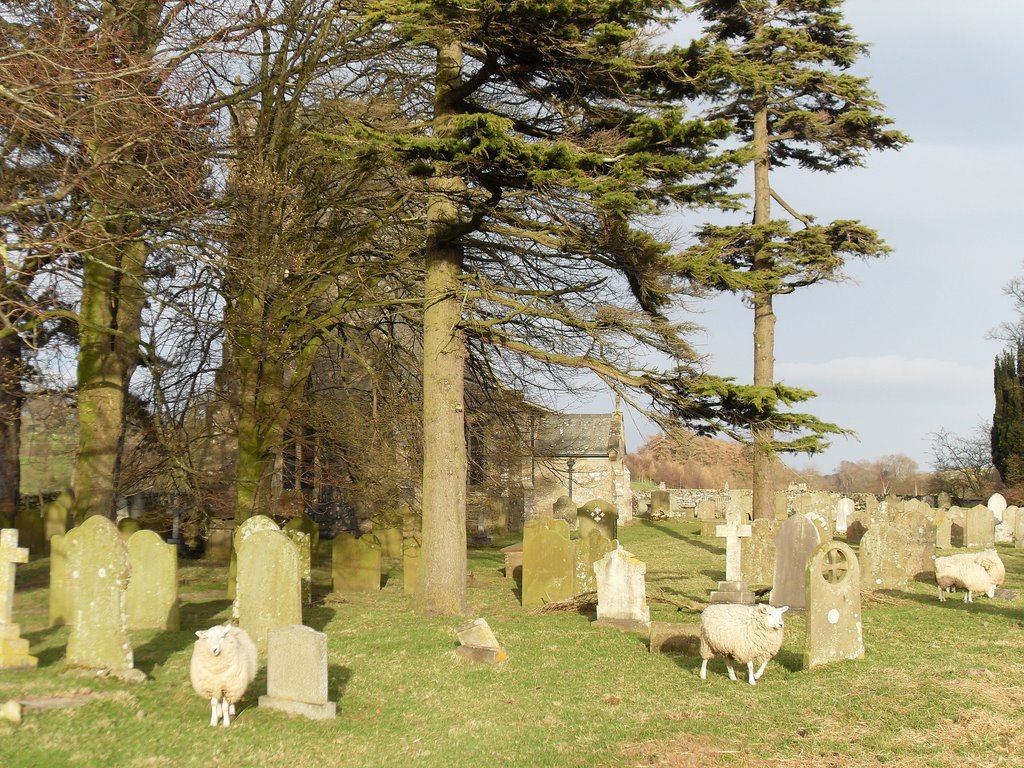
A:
[223,664]
[972,571]
[741,633]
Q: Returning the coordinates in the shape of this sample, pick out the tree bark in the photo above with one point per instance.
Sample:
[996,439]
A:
[443,584]
[11,398]
[764,328]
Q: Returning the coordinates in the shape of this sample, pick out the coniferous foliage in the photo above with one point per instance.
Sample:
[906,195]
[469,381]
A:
[1008,419]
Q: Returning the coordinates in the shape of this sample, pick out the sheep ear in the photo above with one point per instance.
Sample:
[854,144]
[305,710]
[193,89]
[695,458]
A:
[200,633]
[783,609]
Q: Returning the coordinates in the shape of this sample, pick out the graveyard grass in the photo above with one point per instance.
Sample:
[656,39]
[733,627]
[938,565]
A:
[942,684]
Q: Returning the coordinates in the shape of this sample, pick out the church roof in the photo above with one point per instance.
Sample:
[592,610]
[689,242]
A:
[577,434]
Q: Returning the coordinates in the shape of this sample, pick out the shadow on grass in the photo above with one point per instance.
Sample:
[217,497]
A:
[955,601]
[163,645]
[48,656]
[693,539]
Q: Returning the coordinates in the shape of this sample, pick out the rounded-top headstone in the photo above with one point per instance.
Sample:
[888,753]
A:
[997,503]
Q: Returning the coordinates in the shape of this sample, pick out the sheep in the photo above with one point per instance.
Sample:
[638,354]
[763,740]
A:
[223,664]
[742,633]
[973,571]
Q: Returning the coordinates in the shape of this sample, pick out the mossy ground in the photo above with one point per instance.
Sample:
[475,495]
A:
[941,685]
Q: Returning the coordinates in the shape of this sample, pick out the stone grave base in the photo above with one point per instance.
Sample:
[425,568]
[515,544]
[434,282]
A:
[14,649]
[481,655]
[325,711]
[669,637]
[623,625]
[732,592]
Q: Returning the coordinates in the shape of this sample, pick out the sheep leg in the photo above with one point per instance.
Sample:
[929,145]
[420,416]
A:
[942,595]
[968,597]
[226,709]
[214,711]
[750,673]
[757,675]
[704,670]
[732,672]
[231,708]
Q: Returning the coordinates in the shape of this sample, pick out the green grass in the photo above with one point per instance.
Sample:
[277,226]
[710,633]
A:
[941,685]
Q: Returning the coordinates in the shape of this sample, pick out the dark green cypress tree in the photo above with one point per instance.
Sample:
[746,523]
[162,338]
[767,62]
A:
[1008,418]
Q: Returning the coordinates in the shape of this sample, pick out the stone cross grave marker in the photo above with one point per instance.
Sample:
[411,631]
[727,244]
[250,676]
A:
[834,630]
[732,532]
[13,649]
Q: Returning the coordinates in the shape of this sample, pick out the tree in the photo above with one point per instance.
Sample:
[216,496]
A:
[1007,433]
[551,128]
[777,69]
[962,464]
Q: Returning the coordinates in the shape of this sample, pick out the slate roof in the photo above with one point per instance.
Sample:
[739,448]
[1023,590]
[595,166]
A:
[576,434]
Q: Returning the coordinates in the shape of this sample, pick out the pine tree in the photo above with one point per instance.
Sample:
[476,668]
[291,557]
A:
[778,70]
[1008,418]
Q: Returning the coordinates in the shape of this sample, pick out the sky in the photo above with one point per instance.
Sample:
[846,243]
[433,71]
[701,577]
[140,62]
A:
[901,348]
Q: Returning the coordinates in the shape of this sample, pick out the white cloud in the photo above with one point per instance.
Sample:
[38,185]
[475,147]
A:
[887,370]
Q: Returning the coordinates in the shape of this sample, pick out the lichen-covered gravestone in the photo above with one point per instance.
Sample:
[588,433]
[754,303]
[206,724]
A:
[99,571]
[31,531]
[301,540]
[60,581]
[412,564]
[306,524]
[297,673]
[13,648]
[128,527]
[797,538]
[269,592]
[979,527]
[57,515]
[589,550]
[834,630]
[548,562]
[356,564]
[251,525]
[919,534]
[564,509]
[758,559]
[598,514]
[152,598]
[943,529]
[622,591]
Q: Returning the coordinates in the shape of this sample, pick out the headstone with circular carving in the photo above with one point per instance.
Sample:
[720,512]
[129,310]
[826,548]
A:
[834,631]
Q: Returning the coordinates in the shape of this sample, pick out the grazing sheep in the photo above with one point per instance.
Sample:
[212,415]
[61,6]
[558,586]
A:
[223,664]
[741,633]
[972,571]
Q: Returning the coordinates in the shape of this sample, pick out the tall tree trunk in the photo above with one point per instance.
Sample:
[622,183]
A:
[11,398]
[764,328]
[443,585]
[109,320]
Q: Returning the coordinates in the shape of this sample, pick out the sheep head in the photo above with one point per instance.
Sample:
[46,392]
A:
[773,616]
[214,637]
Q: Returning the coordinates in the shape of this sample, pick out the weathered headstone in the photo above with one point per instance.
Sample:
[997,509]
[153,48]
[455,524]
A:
[57,515]
[886,561]
[979,527]
[759,552]
[301,540]
[248,527]
[1018,532]
[513,560]
[356,564]
[217,545]
[733,590]
[31,531]
[834,630]
[845,509]
[13,648]
[621,591]
[297,673]
[943,500]
[1006,526]
[478,643]
[599,514]
[943,529]
[269,590]
[589,550]
[128,527]
[797,538]
[60,581]
[997,504]
[781,506]
[548,561]
[412,564]
[99,571]
[919,535]
[957,521]
[306,524]
[661,505]
[565,509]
[151,601]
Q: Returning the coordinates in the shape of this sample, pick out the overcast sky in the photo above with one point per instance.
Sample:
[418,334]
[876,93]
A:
[901,350]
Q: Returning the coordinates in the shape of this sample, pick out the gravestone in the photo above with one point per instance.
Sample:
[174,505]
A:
[886,561]
[1006,526]
[733,590]
[661,505]
[589,550]
[306,524]
[249,526]
[355,565]
[57,515]
[297,673]
[127,527]
[99,572]
[598,514]
[412,565]
[919,534]
[781,506]
[944,500]
[565,509]
[845,509]
[13,648]
[943,529]
[621,591]
[758,558]
[31,531]
[217,545]
[997,504]
[1018,533]
[388,539]
[957,521]
[513,560]
[151,601]
[60,581]
[269,587]
[834,630]
[979,527]
[710,517]
[478,643]
[301,540]
[548,562]
[797,538]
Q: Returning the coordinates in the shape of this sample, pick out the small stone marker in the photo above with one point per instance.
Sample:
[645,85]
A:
[661,505]
[622,592]
[1018,532]
[356,564]
[297,673]
[151,601]
[13,649]
[513,560]
[389,540]
[548,559]
[478,643]
[979,527]
[269,591]
[599,514]
[797,538]
[99,571]
[834,630]
[217,546]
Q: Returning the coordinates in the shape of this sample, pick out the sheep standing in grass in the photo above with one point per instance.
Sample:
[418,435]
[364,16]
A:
[223,664]
[972,571]
[742,633]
